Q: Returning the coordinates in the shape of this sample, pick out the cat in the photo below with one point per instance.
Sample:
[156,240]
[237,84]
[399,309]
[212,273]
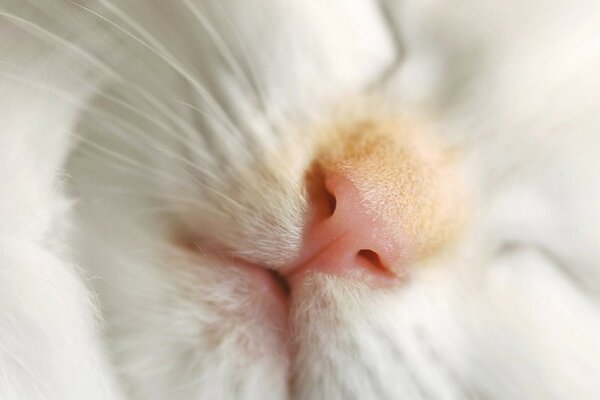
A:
[215,199]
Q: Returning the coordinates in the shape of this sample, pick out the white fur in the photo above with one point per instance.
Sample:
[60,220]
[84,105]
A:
[121,120]
[49,335]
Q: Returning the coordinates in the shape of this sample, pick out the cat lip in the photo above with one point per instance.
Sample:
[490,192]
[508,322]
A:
[364,266]
[265,279]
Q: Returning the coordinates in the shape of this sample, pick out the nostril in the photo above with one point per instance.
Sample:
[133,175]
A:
[372,258]
[322,200]
[331,202]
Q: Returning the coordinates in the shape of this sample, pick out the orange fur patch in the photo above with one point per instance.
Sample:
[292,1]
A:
[405,177]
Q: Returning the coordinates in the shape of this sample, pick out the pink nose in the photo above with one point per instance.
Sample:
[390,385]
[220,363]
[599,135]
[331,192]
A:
[343,237]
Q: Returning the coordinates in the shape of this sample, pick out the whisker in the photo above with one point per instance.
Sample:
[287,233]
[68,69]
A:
[150,43]
[109,71]
[211,118]
[176,119]
[165,128]
[223,196]
[125,168]
[221,45]
[254,75]
[145,168]
[154,144]
[111,119]
[94,61]
[113,190]
[45,35]
[119,157]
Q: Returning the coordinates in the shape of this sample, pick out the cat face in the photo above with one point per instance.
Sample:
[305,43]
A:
[265,225]
[264,266]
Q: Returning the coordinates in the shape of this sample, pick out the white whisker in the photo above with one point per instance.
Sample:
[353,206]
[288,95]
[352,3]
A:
[258,82]
[149,42]
[119,157]
[222,47]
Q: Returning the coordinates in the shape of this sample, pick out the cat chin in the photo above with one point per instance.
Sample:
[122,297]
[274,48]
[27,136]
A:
[350,340]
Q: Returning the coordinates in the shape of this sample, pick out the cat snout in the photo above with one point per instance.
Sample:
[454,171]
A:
[381,197]
[344,238]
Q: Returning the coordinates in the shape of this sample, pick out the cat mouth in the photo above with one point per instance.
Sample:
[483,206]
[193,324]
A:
[280,281]
[342,238]
[267,282]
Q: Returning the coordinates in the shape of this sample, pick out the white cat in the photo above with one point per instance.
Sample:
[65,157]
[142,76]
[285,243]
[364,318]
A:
[217,199]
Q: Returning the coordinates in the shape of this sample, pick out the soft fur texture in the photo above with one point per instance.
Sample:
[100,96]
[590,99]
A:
[126,124]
